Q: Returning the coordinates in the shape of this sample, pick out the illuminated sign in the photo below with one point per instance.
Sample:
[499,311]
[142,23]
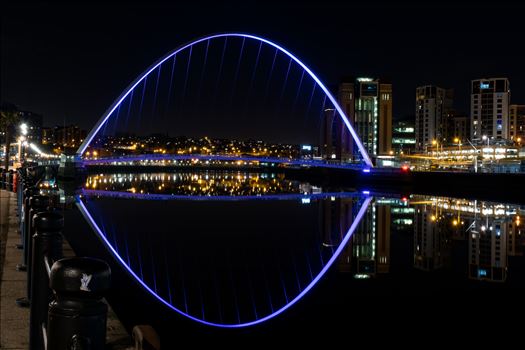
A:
[483,85]
[306,148]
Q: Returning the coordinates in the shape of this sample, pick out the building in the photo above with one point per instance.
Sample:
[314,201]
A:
[488,251]
[516,238]
[345,96]
[368,252]
[458,128]
[48,136]
[431,251]
[517,123]
[64,136]
[373,115]
[432,106]
[34,123]
[368,104]
[489,108]
[403,137]
[336,140]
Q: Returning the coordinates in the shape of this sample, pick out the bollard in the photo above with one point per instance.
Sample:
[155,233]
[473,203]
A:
[10,180]
[28,193]
[37,204]
[47,248]
[146,338]
[14,181]
[77,316]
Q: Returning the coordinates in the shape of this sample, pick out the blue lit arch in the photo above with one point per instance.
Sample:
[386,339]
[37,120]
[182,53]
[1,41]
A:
[143,76]
[315,280]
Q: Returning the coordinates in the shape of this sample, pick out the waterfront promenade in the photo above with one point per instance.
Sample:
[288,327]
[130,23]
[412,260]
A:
[14,321]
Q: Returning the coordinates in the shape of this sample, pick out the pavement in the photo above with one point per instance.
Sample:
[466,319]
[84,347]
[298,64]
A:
[14,321]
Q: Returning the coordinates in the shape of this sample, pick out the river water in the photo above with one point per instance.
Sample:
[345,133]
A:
[201,251]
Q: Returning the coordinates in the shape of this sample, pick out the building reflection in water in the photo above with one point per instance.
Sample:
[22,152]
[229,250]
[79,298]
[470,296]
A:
[488,233]
[368,252]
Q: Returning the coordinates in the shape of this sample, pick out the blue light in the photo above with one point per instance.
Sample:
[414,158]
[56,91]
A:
[305,200]
[275,313]
[366,170]
[306,148]
[262,160]
[482,272]
[366,193]
[143,76]
[484,85]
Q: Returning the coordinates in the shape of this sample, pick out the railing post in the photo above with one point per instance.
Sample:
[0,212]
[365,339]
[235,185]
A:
[47,247]
[77,316]
[37,204]
[28,193]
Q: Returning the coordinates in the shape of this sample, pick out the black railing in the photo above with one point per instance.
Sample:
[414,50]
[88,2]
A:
[65,295]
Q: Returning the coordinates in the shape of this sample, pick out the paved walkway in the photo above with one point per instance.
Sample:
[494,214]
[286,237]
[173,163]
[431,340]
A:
[14,321]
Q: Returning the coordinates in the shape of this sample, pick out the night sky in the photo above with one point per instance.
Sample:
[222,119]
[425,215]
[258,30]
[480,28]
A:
[69,61]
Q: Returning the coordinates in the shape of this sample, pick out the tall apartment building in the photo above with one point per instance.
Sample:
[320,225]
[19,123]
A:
[517,122]
[432,106]
[489,108]
[368,104]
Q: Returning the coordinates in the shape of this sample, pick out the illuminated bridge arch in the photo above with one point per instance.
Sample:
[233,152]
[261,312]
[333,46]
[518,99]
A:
[105,117]
[316,278]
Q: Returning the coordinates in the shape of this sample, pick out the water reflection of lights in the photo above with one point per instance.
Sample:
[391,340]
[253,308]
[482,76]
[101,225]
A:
[208,184]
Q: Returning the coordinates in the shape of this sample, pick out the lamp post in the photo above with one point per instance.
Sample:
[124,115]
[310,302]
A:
[457,140]
[475,156]
[22,142]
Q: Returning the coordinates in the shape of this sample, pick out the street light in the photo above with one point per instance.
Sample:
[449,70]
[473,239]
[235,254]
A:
[23,129]
[457,140]
[475,157]
[434,142]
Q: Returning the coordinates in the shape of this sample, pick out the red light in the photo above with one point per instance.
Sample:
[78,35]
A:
[405,168]
[404,199]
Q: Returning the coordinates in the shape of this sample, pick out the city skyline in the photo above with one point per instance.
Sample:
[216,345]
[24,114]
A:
[77,73]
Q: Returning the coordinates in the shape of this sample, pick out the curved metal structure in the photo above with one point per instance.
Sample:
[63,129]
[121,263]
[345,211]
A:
[275,313]
[148,71]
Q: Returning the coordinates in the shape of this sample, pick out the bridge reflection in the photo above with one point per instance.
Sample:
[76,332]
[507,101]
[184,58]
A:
[230,260]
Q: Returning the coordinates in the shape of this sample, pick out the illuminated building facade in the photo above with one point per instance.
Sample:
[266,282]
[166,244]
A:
[368,104]
[403,137]
[489,108]
[517,123]
[432,106]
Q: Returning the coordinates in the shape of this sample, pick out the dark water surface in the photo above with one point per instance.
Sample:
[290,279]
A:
[234,248]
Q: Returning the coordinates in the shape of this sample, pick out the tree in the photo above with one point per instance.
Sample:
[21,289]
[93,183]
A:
[9,117]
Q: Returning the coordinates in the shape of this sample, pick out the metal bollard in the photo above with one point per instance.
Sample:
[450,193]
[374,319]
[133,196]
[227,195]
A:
[145,338]
[37,205]
[47,248]
[10,180]
[77,316]
[28,193]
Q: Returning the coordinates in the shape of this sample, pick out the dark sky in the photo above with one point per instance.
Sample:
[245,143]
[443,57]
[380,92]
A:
[69,61]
